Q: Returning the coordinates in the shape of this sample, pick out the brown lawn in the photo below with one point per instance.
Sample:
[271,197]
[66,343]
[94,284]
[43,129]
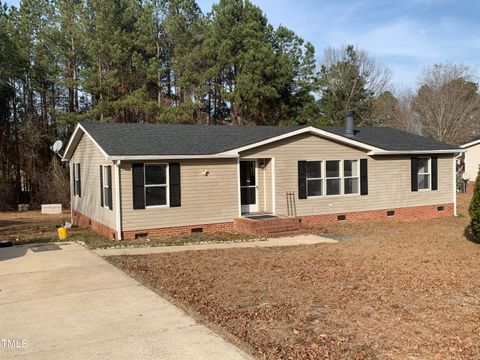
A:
[30,226]
[389,290]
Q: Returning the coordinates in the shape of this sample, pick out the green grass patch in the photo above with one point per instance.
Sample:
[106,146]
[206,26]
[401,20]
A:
[96,242]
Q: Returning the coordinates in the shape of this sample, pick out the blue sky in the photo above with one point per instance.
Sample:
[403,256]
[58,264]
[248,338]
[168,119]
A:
[405,35]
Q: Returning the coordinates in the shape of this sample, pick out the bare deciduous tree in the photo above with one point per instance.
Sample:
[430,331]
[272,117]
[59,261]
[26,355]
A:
[395,110]
[447,103]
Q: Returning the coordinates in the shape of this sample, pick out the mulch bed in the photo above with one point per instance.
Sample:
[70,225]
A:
[397,290]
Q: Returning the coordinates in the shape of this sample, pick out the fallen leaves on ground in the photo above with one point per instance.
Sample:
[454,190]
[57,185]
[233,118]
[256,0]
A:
[390,290]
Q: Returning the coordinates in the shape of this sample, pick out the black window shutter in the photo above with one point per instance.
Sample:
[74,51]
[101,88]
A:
[434,173]
[174,183]
[302,179]
[79,190]
[109,192]
[138,185]
[363,177]
[101,186]
[74,186]
[414,173]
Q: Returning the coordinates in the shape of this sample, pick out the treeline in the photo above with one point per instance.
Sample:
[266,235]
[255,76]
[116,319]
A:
[64,61]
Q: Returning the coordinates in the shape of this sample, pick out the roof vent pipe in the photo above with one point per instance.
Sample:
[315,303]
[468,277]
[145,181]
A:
[349,124]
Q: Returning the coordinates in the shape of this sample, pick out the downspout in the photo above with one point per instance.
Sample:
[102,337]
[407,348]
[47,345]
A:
[455,157]
[70,185]
[239,195]
[118,202]
[274,200]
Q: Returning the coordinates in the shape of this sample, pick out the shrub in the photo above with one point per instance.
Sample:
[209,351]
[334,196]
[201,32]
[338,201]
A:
[474,210]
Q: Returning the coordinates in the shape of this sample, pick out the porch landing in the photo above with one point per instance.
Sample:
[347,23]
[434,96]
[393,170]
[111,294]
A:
[269,226]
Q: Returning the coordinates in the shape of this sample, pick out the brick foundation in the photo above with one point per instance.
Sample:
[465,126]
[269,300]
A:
[180,230]
[84,221]
[470,187]
[410,213]
[282,225]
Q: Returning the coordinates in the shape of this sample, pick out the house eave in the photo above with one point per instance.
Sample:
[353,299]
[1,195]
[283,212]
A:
[170,157]
[469,144]
[76,136]
[414,152]
[309,129]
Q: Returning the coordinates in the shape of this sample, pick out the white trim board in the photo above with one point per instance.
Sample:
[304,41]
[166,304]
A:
[170,157]
[414,152]
[309,129]
[75,135]
[471,143]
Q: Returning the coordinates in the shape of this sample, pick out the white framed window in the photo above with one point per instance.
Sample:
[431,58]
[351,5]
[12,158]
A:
[333,177]
[314,178]
[424,174]
[351,177]
[76,180]
[156,185]
[106,184]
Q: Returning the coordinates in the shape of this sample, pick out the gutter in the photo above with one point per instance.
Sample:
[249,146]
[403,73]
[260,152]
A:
[170,157]
[412,152]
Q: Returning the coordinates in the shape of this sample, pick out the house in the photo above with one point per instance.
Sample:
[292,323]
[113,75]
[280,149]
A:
[471,162]
[132,180]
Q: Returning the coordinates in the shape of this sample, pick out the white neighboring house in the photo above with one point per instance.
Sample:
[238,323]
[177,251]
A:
[472,161]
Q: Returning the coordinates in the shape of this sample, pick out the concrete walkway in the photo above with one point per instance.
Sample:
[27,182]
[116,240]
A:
[284,241]
[68,303]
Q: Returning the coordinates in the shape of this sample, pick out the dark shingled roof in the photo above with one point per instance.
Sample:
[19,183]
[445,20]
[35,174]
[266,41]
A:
[177,139]
[392,139]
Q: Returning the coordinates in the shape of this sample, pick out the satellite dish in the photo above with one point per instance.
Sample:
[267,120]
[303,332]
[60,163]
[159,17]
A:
[57,146]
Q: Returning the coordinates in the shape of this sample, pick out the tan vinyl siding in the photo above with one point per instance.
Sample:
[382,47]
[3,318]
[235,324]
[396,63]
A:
[472,161]
[388,177]
[90,158]
[264,185]
[268,186]
[205,199]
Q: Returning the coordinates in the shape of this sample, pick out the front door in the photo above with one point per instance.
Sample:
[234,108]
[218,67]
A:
[248,186]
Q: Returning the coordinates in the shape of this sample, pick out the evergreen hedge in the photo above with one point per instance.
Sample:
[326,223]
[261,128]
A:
[474,210]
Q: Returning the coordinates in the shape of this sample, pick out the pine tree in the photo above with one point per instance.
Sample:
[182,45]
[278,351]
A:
[242,59]
[69,48]
[295,79]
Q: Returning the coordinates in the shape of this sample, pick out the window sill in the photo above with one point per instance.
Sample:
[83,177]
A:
[332,196]
[157,206]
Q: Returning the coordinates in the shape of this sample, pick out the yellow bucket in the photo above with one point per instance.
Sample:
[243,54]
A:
[62,233]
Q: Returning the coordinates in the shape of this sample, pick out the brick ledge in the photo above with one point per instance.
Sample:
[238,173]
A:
[84,221]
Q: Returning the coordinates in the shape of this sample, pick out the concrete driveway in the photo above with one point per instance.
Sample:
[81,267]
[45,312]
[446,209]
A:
[64,302]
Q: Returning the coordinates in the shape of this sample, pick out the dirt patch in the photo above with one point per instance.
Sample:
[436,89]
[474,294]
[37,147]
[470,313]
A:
[395,290]
[34,227]
[25,227]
